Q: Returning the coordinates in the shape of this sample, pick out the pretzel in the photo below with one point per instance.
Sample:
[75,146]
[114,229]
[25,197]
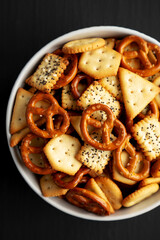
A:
[106,126]
[59,119]
[135,157]
[27,149]
[155,169]
[59,176]
[74,85]
[48,113]
[71,70]
[149,68]
[88,200]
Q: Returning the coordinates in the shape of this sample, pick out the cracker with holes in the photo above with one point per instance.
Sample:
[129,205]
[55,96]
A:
[112,85]
[140,194]
[18,120]
[96,93]
[68,101]
[83,45]
[61,152]
[100,63]
[48,72]
[147,134]
[93,158]
[137,92]
[49,188]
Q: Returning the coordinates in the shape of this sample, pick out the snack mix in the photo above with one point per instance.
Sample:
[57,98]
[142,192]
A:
[87,123]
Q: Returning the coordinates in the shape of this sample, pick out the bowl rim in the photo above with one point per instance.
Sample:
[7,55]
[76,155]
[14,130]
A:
[93,30]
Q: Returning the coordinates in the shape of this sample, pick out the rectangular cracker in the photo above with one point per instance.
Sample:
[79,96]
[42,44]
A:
[68,101]
[48,72]
[96,93]
[147,134]
[49,188]
[137,92]
[100,63]
[61,152]
[93,158]
[112,85]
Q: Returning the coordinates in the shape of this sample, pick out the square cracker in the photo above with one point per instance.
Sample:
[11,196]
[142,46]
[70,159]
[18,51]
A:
[68,101]
[96,93]
[112,85]
[147,134]
[100,63]
[18,120]
[61,152]
[137,92]
[49,188]
[48,72]
[94,158]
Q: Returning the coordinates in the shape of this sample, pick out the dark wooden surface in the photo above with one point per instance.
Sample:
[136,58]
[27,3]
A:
[26,26]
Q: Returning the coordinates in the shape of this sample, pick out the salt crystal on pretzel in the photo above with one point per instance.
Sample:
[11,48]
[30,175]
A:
[147,134]
[48,72]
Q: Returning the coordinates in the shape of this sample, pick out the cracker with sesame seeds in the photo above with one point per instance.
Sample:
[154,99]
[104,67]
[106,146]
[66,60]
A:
[112,85]
[68,101]
[18,120]
[140,194]
[48,72]
[61,152]
[93,158]
[147,134]
[96,93]
[100,63]
[83,45]
[49,188]
[137,92]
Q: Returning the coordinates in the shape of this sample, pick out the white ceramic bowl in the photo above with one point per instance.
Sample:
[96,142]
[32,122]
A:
[100,31]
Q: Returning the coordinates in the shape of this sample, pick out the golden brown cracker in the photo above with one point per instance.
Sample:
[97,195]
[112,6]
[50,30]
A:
[61,152]
[137,92]
[83,45]
[48,72]
[147,134]
[140,194]
[100,63]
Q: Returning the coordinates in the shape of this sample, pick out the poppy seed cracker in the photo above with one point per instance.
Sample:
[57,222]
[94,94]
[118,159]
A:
[96,93]
[147,134]
[93,158]
[48,72]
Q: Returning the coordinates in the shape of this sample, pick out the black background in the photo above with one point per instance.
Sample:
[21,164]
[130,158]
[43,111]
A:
[26,26]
